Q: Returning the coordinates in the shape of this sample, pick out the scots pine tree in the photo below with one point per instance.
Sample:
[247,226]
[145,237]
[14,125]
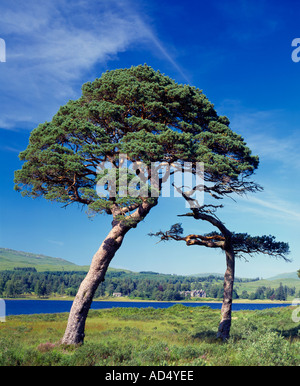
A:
[233,244]
[146,117]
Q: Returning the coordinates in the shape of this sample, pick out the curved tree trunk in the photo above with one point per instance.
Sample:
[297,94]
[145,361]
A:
[74,333]
[225,324]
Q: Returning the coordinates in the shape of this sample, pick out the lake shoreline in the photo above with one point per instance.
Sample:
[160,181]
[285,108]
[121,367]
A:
[126,299]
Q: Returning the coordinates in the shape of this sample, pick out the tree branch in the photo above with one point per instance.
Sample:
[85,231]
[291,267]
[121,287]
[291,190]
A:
[242,243]
[211,241]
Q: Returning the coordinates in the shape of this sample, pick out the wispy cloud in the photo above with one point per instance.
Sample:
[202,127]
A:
[55,41]
[162,50]
[269,207]
[150,35]
[54,46]
[284,151]
[279,208]
[267,134]
[10,149]
[55,242]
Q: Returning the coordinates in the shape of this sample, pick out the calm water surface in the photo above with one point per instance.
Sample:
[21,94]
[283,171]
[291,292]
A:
[20,307]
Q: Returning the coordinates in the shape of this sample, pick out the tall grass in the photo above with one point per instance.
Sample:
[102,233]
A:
[178,335]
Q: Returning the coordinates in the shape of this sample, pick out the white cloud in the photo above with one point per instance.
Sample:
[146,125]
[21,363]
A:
[62,43]
[278,208]
[274,137]
[274,206]
[268,133]
[52,47]
[284,150]
[10,149]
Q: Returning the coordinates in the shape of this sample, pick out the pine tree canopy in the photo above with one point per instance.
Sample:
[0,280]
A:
[138,112]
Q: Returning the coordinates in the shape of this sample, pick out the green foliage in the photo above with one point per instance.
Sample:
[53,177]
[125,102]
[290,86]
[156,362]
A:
[21,282]
[246,244]
[143,285]
[278,289]
[260,347]
[154,337]
[135,111]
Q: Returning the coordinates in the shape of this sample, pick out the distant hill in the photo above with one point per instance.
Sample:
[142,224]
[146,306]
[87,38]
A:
[9,259]
[206,274]
[288,275]
[269,283]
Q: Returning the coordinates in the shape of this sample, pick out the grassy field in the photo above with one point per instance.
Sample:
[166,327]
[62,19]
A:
[177,335]
[253,285]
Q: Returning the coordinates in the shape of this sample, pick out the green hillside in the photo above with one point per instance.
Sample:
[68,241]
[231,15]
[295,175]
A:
[140,285]
[287,275]
[252,286]
[9,259]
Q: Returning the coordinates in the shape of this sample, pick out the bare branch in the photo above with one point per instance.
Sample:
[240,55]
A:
[210,241]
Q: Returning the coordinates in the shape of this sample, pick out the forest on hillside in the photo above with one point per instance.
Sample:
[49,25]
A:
[144,285]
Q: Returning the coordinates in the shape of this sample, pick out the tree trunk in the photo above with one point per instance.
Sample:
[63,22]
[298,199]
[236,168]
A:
[225,324]
[74,333]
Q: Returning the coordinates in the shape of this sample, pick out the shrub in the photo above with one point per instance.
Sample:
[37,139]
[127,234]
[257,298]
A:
[155,354]
[45,347]
[266,348]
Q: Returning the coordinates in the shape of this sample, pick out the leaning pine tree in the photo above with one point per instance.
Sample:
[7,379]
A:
[233,244]
[127,116]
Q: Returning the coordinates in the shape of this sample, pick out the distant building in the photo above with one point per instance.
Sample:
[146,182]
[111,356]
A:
[117,294]
[194,294]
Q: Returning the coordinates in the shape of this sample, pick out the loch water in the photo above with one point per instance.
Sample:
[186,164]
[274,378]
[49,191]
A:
[20,307]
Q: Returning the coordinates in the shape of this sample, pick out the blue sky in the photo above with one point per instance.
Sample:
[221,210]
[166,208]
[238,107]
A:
[238,52]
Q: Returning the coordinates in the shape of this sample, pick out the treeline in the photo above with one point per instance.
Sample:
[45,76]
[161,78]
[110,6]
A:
[280,293]
[144,285]
[25,281]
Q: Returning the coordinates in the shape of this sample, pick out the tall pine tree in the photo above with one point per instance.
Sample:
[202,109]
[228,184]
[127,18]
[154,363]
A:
[148,117]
